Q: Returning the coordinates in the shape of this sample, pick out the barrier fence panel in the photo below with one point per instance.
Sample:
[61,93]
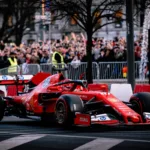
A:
[114,70]
[137,64]
[60,67]
[5,71]
[95,70]
[111,70]
[29,69]
[106,72]
[46,67]
[75,70]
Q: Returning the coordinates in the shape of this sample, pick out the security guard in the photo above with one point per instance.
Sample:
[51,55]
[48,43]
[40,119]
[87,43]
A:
[12,64]
[57,58]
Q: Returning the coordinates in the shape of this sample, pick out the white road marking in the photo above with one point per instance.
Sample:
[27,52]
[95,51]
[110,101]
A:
[82,136]
[95,137]
[73,136]
[19,140]
[100,143]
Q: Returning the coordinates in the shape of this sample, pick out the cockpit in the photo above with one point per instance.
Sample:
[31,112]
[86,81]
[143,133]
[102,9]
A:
[56,78]
[59,82]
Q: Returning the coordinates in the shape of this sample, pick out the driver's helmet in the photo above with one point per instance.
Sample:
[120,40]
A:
[67,86]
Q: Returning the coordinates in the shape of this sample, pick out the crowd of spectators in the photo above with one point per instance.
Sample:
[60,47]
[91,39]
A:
[73,49]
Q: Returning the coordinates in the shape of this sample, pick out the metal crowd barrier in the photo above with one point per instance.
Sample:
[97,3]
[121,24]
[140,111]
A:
[48,67]
[5,71]
[113,70]
[75,70]
[27,69]
[105,72]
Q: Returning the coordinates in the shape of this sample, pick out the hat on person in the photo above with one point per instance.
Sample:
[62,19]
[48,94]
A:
[12,53]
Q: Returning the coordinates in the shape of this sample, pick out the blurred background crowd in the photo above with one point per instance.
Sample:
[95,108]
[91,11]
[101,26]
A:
[72,47]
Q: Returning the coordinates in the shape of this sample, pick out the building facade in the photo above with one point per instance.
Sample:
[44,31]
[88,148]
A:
[44,29]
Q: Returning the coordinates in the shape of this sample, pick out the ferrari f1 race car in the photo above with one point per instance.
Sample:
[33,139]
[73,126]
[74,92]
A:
[70,102]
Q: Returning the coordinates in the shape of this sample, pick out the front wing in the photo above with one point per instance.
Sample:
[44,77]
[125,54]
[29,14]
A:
[102,119]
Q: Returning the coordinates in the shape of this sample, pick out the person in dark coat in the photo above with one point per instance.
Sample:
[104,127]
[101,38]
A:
[2,45]
[3,60]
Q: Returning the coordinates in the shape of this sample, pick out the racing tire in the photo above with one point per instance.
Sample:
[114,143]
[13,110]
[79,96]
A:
[2,108]
[141,102]
[66,107]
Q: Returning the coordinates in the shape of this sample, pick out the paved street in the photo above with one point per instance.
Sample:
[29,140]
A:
[16,134]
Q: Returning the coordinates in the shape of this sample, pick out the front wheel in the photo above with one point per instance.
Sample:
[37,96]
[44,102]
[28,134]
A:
[66,107]
[2,108]
[61,112]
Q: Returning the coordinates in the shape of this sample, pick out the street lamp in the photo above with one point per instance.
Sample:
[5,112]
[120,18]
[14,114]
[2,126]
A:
[130,43]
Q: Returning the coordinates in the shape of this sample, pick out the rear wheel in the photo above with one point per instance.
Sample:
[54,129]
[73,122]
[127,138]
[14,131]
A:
[141,102]
[2,108]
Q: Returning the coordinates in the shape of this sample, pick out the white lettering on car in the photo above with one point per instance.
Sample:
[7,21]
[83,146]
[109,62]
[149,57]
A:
[83,96]
[82,119]
[4,77]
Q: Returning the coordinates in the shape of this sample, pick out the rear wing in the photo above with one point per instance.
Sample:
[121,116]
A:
[17,82]
[15,79]
[10,85]
[23,79]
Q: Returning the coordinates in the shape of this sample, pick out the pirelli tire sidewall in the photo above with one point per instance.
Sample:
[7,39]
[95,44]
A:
[142,101]
[72,104]
[2,108]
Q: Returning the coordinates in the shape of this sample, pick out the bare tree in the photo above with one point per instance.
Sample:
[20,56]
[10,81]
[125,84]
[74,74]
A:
[88,15]
[141,6]
[17,17]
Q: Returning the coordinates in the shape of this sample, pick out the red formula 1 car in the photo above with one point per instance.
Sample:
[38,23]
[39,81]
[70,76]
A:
[70,102]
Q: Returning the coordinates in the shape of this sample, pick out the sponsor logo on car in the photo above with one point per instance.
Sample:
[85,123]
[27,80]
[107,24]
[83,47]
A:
[113,100]
[46,82]
[83,96]
[4,77]
[21,77]
[101,117]
[83,119]
[105,93]
[146,115]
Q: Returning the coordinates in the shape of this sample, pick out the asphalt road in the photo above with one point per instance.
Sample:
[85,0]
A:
[23,134]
